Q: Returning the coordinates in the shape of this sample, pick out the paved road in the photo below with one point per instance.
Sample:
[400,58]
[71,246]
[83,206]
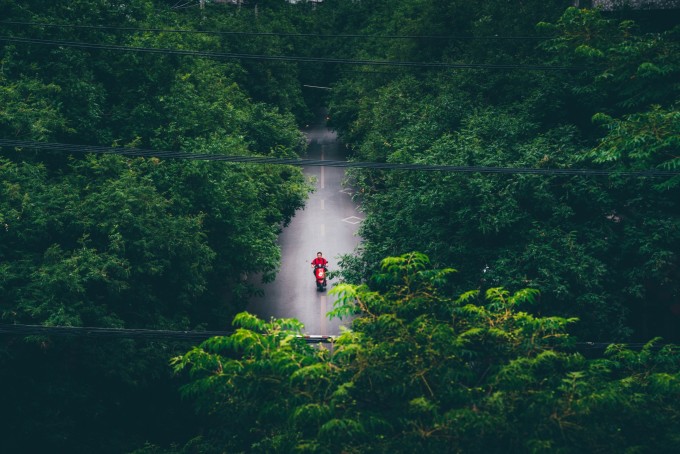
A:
[328,223]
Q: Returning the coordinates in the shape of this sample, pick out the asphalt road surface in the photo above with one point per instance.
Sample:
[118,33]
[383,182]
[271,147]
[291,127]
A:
[328,223]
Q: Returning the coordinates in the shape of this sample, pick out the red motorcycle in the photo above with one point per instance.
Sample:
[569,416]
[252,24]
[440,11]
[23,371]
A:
[320,276]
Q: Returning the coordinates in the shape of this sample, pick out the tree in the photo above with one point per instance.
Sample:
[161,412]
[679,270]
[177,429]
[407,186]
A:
[423,372]
[600,249]
[114,242]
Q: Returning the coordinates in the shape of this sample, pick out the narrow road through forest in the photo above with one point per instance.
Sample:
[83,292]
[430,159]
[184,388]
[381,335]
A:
[329,223]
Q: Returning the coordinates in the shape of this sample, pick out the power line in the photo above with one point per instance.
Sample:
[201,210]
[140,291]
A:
[630,345]
[186,4]
[278,34]
[137,152]
[85,331]
[220,55]
[316,86]
[127,333]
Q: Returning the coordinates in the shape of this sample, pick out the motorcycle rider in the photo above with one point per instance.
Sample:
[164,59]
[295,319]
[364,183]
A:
[319,261]
[319,269]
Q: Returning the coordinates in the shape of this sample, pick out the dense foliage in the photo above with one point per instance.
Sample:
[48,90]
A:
[424,372]
[604,249]
[108,241]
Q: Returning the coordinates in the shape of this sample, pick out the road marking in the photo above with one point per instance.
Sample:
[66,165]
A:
[323,170]
[323,204]
[322,314]
[352,220]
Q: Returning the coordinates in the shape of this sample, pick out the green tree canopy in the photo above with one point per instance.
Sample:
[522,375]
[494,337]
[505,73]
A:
[603,249]
[421,371]
[107,241]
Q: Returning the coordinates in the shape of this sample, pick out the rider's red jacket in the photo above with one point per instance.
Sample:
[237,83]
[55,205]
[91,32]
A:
[319,261]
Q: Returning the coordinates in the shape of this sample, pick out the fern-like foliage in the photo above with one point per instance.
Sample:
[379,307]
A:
[421,372]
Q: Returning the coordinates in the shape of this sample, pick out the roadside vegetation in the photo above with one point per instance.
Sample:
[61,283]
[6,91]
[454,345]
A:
[472,344]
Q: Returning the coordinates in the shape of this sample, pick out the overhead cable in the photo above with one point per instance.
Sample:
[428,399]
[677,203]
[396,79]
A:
[627,345]
[301,35]
[222,55]
[127,333]
[137,152]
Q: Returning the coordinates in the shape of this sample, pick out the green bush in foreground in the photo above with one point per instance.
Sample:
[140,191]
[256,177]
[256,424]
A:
[422,372]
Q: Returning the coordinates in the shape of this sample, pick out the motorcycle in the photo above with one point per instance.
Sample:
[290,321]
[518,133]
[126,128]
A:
[320,277]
